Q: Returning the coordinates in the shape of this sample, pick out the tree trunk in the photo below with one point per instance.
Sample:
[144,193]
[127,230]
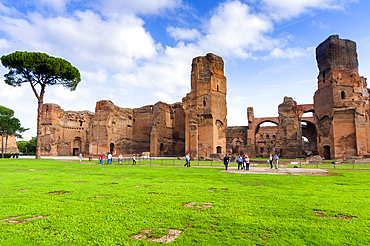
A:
[38,140]
[2,145]
[6,142]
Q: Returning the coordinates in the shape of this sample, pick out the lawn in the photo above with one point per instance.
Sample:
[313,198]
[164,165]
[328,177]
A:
[65,203]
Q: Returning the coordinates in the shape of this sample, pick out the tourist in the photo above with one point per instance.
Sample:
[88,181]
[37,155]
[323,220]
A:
[247,162]
[276,157]
[240,162]
[109,158]
[270,161]
[133,160]
[226,161]
[120,159]
[187,158]
[80,157]
[101,157]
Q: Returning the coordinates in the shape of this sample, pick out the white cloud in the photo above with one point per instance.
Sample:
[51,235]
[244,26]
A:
[56,5]
[290,53]
[279,9]
[114,8]
[183,33]
[94,77]
[235,31]
[161,96]
[84,38]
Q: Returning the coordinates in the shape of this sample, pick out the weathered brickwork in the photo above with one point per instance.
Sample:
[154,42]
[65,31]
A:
[205,107]
[339,128]
[341,101]
[11,145]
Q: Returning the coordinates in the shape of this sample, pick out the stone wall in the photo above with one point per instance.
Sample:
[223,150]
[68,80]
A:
[11,145]
[64,132]
[205,107]
[341,101]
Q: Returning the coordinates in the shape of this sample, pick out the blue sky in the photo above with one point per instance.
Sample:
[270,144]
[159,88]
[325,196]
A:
[137,53]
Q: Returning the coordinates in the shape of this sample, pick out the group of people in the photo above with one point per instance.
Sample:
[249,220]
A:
[274,158]
[110,158]
[243,162]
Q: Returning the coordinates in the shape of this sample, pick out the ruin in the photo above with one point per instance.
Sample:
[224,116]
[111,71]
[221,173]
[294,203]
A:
[337,129]
[196,126]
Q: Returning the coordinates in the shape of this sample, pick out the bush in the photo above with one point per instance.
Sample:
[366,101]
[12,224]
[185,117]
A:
[6,155]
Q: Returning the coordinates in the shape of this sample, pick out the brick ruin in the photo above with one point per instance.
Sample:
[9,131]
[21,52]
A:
[196,125]
[337,129]
[11,145]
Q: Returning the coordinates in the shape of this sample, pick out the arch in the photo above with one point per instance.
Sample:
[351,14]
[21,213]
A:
[77,144]
[309,131]
[264,141]
[111,148]
[343,95]
[204,102]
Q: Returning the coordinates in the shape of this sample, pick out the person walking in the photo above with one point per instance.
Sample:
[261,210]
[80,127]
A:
[187,158]
[276,157]
[133,160]
[240,162]
[247,162]
[101,157]
[120,159]
[270,161]
[80,157]
[226,161]
[109,158]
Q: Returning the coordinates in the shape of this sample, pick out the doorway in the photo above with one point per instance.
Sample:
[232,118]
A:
[327,152]
[111,148]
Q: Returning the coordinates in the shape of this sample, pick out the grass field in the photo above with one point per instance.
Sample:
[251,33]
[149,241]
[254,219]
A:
[65,203]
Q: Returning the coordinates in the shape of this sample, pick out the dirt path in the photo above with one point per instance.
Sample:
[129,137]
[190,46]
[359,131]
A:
[253,170]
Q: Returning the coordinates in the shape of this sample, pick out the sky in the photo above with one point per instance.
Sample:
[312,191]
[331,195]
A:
[136,53]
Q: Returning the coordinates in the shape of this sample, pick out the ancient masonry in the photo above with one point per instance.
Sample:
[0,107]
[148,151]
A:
[197,125]
[338,129]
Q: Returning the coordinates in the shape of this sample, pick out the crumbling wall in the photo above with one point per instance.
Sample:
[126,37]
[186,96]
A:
[205,107]
[341,101]
[11,145]
[289,133]
[64,132]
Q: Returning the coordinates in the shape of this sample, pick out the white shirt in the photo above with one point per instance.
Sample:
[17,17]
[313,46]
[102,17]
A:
[109,156]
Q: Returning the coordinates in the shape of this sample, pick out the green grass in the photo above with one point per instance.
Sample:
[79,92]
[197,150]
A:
[103,205]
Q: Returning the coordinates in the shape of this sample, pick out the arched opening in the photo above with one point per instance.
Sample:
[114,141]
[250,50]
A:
[218,89]
[264,136]
[219,149]
[343,95]
[111,148]
[309,138]
[77,143]
[204,102]
[307,114]
[327,152]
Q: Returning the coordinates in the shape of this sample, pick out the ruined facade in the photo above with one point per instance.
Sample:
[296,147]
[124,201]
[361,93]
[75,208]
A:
[197,125]
[205,108]
[11,145]
[341,101]
[338,128]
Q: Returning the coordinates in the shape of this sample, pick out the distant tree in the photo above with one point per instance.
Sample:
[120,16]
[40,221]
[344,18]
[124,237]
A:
[9,126]
[39,70]
[6,111]
[27,146]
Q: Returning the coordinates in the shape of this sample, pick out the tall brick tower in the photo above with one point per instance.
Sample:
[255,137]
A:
[341,102]
[205,107]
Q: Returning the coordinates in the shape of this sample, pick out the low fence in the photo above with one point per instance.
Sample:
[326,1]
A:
[177,161]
